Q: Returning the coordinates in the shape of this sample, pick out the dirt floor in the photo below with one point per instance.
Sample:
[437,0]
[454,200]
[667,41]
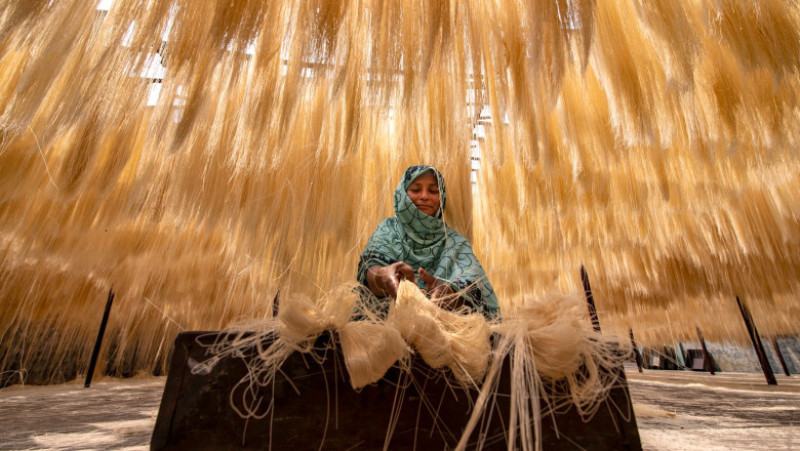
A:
[684,410]
[675,410]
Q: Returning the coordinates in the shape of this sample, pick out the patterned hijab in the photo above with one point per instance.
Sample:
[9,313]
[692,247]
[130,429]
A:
[424,241]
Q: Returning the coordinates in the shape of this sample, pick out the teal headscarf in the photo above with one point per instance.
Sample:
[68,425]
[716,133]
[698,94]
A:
[426,242]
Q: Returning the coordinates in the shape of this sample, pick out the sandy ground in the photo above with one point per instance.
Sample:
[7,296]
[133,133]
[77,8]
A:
[684,410]
[675,410]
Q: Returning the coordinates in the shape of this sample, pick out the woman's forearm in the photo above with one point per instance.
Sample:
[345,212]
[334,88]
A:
[372,283]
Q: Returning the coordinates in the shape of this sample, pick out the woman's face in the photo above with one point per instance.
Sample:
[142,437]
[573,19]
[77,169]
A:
[424,193]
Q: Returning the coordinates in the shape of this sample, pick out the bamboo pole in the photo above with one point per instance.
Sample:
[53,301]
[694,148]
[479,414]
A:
[759,347]
[636,351]
[99,341]
[780,356]
[587,288]
[706,354]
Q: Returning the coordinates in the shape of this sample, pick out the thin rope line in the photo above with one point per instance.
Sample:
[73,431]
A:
[39,148]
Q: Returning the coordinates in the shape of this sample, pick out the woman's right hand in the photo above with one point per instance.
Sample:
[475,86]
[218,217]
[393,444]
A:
[384,280]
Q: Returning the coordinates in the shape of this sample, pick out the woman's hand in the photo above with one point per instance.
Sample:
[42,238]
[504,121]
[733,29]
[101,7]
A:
[384,280]
[439,292]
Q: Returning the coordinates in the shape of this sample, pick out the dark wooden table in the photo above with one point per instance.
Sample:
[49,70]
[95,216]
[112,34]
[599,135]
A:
[315,408]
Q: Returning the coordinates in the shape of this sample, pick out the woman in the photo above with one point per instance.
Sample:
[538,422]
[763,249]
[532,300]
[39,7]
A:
[415,244]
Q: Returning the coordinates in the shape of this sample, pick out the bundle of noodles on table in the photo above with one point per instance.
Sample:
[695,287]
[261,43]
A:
[555,357]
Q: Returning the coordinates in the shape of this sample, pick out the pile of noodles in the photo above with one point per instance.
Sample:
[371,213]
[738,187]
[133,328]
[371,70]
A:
[546,343]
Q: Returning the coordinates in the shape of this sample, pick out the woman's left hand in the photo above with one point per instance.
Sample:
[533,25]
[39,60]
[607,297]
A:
[440,292]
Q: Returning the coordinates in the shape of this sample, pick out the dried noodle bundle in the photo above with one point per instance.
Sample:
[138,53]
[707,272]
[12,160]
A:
[442,338]
[554,353]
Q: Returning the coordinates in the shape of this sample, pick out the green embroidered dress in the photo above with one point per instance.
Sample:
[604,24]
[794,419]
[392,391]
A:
[424,241]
